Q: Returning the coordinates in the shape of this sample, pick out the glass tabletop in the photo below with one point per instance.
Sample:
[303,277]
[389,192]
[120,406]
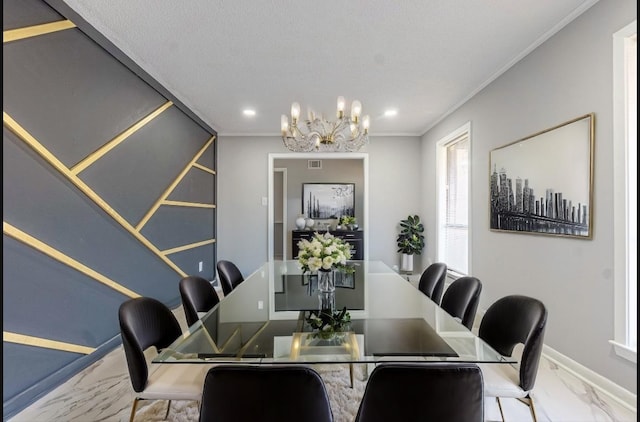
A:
[265,320]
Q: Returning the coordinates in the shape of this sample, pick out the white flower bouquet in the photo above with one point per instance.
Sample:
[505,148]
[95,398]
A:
[323,252]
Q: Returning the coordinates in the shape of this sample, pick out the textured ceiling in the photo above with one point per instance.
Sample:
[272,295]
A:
[421,57]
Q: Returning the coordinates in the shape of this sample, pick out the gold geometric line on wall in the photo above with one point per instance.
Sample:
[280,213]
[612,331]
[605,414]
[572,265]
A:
[172,186]
[100,152]
[45,343]
[189,246]
[40,246]
[203,168]
[60,167]
[32,31]
[187,204]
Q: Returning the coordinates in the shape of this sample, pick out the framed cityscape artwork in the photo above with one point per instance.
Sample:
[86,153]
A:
[543,184]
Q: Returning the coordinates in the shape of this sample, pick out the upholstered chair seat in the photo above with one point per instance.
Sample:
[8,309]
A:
[514,326]
[229,275]
[461,299]
[419,392]
[432,281]
[146,327]
[165,382]
[279,393]
[198,297]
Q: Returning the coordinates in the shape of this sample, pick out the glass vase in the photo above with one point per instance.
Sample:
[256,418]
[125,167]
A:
[326,280]
[327,302]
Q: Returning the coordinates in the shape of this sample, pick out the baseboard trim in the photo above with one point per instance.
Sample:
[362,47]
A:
[620,395]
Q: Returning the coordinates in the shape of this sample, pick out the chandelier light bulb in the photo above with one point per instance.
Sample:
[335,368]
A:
[340,107]
[284,124]
[365,123]
[311,115]
[356,109]
[295,112]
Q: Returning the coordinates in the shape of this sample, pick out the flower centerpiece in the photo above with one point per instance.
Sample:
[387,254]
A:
[323,251]
[328,323]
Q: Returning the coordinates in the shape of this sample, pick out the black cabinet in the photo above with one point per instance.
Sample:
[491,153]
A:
[354,238]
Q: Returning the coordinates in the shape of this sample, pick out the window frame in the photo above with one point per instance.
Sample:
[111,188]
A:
[625,331]
[460,133]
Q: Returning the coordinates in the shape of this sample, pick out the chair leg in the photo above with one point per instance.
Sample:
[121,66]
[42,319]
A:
[133,409]
[351,373]
[529,402]
[533,410]
[500,407]
[168,408]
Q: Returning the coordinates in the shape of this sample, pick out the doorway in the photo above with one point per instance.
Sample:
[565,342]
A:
[279,235]
[279,214]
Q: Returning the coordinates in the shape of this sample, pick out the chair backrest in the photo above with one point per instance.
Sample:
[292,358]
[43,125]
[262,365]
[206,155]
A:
[229,275]
[432,281]
[145,322]
[198,295]
[461,299]
[423,392]
[514,320]
[265,393]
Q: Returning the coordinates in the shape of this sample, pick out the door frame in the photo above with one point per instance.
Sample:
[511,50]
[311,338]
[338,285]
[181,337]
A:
[324,156]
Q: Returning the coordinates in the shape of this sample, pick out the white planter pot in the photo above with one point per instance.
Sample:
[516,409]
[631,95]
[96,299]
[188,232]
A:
[407,263]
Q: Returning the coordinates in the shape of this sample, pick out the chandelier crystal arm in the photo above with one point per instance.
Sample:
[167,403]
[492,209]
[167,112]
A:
[344,134]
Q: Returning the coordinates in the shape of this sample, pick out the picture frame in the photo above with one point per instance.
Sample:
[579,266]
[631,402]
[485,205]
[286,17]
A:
[543,184]
[321,201]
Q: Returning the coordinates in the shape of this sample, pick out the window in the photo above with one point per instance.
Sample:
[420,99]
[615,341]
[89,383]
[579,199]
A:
[625,138]
[453,171]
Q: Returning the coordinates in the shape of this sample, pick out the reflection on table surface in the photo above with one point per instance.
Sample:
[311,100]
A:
[264,321]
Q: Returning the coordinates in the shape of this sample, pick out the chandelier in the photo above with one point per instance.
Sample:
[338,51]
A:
[346,133]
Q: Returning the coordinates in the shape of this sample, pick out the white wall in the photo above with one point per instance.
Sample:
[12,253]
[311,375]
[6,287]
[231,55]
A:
[242,180]
[568,76]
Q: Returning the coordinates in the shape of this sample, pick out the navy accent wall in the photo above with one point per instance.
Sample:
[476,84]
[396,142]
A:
[74,247]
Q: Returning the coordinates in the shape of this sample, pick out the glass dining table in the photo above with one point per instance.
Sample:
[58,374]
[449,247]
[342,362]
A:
[264,320]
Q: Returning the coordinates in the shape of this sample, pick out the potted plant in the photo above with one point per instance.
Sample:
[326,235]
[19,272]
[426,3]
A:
[410,241]
[349,221]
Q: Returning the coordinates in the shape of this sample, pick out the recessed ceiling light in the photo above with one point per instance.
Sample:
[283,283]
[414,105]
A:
[249,112]
[390,113]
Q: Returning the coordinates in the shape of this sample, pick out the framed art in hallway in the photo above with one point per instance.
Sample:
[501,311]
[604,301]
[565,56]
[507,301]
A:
[328,200]
[543,184]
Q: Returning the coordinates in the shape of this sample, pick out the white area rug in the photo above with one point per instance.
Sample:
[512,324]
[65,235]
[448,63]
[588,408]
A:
[344,399]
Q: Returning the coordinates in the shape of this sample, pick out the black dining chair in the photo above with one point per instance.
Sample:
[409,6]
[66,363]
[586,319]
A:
[198,297]
[461,299]
[145,323]
[264,393]
[229,276]
[508,322]
[432,281]
[410,392]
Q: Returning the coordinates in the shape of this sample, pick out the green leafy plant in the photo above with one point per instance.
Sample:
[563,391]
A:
[410,241]
[326,323]
[348,219]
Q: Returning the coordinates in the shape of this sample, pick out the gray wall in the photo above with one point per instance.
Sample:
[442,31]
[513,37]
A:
[394,178]
[568,76]
[70,97]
